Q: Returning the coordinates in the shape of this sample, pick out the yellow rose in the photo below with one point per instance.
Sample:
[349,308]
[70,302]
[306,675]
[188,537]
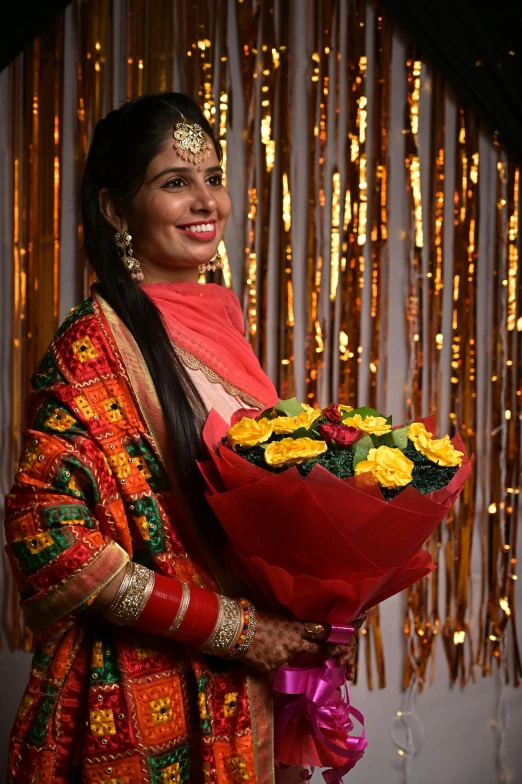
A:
[389,466]
[345,409]
[290,451]
[371,424]
[306,418]
[417,430]
[438,450]
[250,432]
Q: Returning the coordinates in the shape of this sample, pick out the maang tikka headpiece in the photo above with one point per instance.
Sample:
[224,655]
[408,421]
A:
[190,141]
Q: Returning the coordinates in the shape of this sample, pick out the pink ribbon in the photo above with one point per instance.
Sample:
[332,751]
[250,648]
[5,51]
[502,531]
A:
[319,694]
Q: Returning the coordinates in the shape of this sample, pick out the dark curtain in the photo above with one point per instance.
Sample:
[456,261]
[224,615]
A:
[477,45]
[22,21]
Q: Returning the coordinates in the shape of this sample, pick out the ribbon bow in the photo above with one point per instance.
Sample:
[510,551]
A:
[321,694]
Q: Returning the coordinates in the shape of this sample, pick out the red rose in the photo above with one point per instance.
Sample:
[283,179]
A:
[333,414]
[237,416]
[340,435]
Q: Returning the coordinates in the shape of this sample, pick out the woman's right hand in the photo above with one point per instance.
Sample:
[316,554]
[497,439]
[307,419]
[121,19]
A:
[277,641]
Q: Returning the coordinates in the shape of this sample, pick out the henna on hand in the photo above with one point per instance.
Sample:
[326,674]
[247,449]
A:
[277,641]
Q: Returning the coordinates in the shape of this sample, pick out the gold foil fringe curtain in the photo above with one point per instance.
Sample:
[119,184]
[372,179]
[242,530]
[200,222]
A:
[300,96]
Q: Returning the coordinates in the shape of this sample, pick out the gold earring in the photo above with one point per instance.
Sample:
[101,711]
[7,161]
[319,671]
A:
[212,265]
[124,242]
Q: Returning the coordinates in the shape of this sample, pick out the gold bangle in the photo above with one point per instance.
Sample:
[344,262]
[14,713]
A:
[182,610]
[244,640]
[127,611]
[127,577]
[146,593]
[226,630]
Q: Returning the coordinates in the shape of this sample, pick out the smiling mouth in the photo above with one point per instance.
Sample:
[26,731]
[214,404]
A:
[202,231]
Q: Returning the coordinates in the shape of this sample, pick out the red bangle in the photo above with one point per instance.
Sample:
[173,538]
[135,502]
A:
[162,606]
[200,618]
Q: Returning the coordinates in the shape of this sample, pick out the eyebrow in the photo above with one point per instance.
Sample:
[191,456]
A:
[183,170]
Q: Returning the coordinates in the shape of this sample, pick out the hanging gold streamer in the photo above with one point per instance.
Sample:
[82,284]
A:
[93,84]
[379,271]
[355,210]
[415,238]
[415,605]
[499,539]
[460,521]
[281,67]
[36,101]
[319,98]
[379,211]
[510,502]
[422,618]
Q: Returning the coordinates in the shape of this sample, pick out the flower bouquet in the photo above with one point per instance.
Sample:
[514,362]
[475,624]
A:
[326,511]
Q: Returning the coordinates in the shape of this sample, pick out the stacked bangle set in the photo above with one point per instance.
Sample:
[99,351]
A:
[219,626]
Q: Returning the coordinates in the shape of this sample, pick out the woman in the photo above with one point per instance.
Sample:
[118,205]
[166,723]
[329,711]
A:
[147,669]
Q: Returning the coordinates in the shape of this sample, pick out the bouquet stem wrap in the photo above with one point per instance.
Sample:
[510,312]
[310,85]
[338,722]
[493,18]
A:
[315,716]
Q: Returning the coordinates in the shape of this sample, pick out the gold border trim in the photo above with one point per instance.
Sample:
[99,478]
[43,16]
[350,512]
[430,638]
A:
[261,700]
[196,364]
[138,376]
[140,381]
[40,613]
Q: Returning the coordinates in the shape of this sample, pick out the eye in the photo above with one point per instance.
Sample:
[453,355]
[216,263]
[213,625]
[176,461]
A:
[177,182]
[216,180]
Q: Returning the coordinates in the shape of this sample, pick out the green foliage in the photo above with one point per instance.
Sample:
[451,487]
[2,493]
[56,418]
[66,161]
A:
[303,432]
[363,411]
[400,438]
[290,408]
[362,447]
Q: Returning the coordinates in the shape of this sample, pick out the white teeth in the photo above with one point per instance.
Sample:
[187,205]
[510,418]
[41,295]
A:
[201,227]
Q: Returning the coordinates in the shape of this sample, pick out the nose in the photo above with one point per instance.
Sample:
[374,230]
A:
[203,198]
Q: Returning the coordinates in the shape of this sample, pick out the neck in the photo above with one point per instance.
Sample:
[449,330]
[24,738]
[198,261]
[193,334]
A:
[152,274]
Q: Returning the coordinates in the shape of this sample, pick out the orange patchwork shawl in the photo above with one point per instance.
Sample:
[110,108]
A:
[95,488]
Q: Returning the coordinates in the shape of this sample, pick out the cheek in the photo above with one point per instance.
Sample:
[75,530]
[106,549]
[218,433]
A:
[224,204]
[155,214]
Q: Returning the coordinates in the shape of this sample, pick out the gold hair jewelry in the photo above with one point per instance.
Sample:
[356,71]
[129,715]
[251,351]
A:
[212,265]
[190,142]
[124,243]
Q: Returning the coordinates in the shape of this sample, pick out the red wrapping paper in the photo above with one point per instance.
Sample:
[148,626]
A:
[321,548]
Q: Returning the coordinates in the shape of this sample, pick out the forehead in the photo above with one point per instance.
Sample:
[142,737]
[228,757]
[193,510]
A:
[168,157]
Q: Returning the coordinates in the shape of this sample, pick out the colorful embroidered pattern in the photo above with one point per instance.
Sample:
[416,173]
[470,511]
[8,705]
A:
[90,476]
[160,710]
[146,515]
[172,767]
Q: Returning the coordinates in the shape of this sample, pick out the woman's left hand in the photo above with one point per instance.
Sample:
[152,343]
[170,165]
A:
[345,654]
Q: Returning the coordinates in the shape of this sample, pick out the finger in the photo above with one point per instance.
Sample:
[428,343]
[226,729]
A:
[338,650]
[315,648]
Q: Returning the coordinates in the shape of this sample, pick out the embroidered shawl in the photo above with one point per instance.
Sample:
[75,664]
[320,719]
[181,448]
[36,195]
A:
[95,487]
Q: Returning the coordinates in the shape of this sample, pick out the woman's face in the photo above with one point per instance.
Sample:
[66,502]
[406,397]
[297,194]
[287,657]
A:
[178,216]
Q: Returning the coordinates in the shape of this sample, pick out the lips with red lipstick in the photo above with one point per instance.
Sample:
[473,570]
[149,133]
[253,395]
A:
[200,230]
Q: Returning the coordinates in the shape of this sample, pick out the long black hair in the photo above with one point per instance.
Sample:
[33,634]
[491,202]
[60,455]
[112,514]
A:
[123,145]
